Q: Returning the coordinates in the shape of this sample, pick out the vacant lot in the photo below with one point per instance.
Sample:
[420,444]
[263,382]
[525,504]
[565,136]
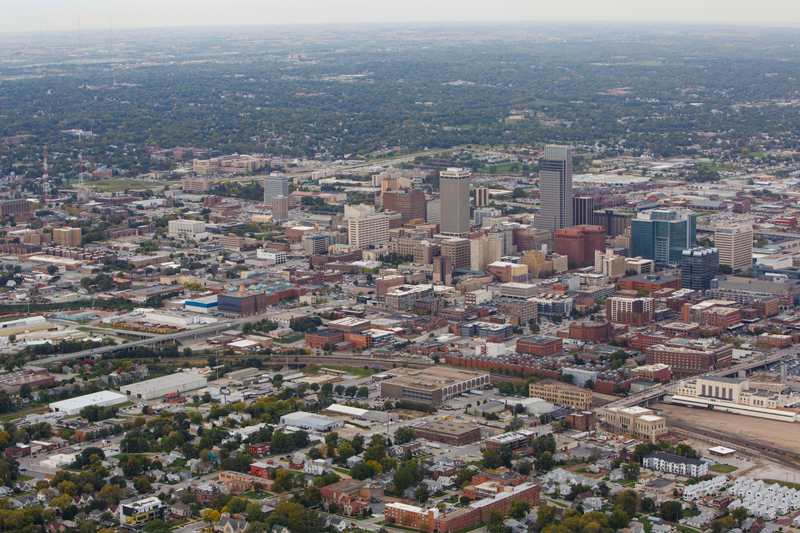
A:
[756,430]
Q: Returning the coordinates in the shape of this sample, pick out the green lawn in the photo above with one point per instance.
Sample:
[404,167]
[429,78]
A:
[783,483]
[20,414]
[341,470]
[686,529]
[22,477]
[359,371]
[503,168]
[725,469]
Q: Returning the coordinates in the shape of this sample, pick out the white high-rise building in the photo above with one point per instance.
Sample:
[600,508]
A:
[368,229]
[555,189]
[454,188]
[735,245]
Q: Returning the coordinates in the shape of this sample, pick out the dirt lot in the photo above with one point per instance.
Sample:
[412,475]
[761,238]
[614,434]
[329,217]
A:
[755,430]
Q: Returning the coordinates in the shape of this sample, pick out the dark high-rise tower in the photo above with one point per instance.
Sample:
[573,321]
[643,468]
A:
[698,268]
[583,211]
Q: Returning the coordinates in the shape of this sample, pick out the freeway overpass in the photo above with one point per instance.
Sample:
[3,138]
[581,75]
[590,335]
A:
[645,397]
[153,341]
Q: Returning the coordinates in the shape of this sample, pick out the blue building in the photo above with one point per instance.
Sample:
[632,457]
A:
[663,234]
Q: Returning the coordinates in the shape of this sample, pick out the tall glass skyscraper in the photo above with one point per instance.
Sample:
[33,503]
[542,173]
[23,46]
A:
[663,234]
[555,189]
[275,185]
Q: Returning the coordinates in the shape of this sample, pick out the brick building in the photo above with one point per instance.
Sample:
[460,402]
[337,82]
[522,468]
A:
[449,432]
[560,393]
[582,420]
[590,331]
[540,346]
[579,243]
[649,282]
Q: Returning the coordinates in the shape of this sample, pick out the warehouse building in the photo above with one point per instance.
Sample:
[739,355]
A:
[159,387]
[304,420]
[432,386]
[73,406]
[449,432]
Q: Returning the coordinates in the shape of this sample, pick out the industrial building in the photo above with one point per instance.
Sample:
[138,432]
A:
[432,386]
[449,432]
[303,420]
[160,387]
[73,406]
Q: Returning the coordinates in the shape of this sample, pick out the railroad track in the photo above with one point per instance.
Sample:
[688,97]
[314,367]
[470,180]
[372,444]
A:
[775,454]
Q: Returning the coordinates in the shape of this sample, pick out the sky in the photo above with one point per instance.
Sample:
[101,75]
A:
[60,15]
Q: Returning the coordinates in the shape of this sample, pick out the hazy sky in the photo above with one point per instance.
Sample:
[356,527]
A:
[46,15]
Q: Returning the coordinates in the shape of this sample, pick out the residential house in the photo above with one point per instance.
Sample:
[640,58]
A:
[227,524]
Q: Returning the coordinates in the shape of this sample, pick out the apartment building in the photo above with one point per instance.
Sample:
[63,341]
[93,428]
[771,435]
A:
[70,237]
[674,464]
[631,311]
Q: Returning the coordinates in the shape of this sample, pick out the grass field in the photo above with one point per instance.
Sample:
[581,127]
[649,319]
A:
[359,371]
[782,483]
[503,168]
[20,414]
[725,469]
[118,185]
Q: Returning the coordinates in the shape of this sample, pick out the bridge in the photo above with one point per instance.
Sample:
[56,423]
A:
[645,397]
[152,341]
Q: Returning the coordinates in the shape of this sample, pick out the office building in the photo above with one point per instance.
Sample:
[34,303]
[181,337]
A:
[410,203]
[631,311]
[698,267]
[134,515]
[638,422]
[534,239]
[640,265]
[454,188]
[194,185]
[403,297]
[662,235]
[608,264]
[688,357]
[735,245]
[280,209]
[486,212]
[443,270]
[459,250]
[649,282]
[583,211]
[481,196]
[187,229]
[555,189]
[561,393]
[614,222]
[70,237]
[433,211]
[580,243]
[316,243]
[432,386]
[276,184]
[366,230]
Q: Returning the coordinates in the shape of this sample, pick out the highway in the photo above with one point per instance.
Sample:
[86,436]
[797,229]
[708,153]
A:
[153,341]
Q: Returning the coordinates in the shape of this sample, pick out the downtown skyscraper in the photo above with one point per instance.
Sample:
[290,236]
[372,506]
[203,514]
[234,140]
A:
[454,189]
[555,189]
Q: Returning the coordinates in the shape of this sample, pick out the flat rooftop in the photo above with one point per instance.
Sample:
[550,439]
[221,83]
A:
[435,377]
[448,427]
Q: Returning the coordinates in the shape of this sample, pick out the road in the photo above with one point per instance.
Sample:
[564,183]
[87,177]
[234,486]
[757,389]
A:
[661,390]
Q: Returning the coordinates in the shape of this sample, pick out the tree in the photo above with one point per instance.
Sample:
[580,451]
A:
[142,485]
[627,501]
[210,516]
[363,392]
[739,514]
[346,451]
[518,509]
[421,494]
[631,470]
[545,462]
[722,524]
[546,516]
[404,435]
[155,526]
[619,518]
[495,523]
[647,505]
[671,511]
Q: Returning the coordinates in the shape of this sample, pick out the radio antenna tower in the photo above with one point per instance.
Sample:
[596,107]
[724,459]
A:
[45,177]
